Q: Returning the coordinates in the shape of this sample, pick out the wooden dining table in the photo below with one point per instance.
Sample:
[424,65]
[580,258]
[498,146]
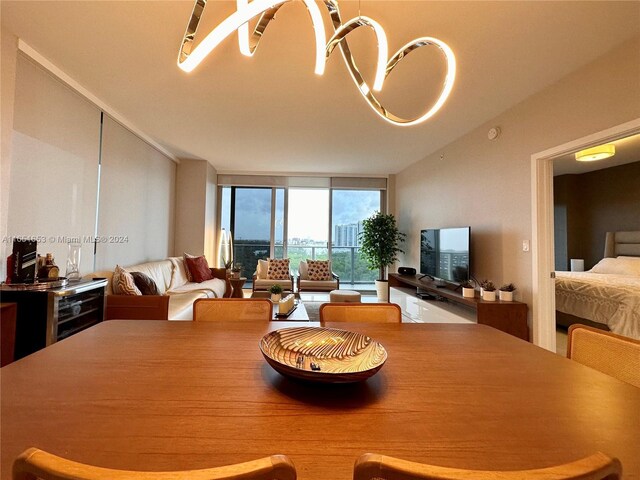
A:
[162,395]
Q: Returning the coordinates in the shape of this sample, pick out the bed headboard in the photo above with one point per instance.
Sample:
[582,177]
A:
[622,243]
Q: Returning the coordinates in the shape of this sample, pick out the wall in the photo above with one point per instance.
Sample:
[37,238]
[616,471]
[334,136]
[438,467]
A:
[487,184]
[597,202]
[196,209]
[8,51]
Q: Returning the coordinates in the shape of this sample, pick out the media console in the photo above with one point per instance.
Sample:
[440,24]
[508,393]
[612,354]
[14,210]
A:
[510,317]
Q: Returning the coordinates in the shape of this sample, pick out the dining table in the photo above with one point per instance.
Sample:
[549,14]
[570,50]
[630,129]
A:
[171,395]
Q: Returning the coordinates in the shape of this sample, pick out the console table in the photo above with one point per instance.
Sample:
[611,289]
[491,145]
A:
[510,317]
[47,316]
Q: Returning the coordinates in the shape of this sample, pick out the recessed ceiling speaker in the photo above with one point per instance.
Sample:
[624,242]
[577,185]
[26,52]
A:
[406,271]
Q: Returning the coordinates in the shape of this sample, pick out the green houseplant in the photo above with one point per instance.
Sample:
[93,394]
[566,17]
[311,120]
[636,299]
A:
[276,292]
[506,292]
[468,290]
[380,239]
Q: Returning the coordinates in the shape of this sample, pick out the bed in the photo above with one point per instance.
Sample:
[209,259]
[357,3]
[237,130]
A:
[608,295]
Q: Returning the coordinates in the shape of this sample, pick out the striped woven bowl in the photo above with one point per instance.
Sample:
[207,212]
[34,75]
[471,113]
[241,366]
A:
[320,354]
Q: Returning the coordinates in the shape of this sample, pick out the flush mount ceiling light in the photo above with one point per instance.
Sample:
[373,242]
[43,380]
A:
[596,153]
[190,57]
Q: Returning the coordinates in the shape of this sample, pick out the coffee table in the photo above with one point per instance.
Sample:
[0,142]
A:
[298,315]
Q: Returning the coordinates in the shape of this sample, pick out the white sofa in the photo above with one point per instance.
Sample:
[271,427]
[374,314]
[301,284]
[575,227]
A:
[177,294]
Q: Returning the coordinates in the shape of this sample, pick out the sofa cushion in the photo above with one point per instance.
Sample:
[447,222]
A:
[319,270]
[123,283]
[264,284]
[304,269]
[278,269]
[213,288]
[261,269]
[179,276]
[198,268]
[145,284]
[318,285]
[186,255]
[159,271]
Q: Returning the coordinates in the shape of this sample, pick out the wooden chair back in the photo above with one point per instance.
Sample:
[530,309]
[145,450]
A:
[360,312]
[379,467]
[607,352]
[233,309]
[35,464]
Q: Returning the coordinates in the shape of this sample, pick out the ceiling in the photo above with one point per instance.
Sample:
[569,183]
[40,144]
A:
[627,151]
[271,113]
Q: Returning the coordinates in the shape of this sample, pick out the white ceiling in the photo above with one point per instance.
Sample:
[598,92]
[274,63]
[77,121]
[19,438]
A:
[271,113]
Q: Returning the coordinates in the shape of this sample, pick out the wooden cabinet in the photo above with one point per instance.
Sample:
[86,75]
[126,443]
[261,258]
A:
[47,316]
[510,317]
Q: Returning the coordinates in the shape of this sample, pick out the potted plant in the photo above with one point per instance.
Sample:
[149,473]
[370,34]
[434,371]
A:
[468,290]
[488,291]
[506,292]
[380,238]
[236,270]
[276,292]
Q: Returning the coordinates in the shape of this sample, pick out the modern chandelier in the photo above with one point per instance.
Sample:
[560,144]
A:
[189,57]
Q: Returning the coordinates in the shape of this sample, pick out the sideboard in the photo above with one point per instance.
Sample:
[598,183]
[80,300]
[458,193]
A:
[510,317]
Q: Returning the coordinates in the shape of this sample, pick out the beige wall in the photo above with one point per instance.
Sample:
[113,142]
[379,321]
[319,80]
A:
[487,184]
[196,209]
[8,51]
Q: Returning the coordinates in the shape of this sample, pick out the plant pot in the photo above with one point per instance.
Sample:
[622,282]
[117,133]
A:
[468,292]
[506,296]
[382,289]
[275,297]
[489,296]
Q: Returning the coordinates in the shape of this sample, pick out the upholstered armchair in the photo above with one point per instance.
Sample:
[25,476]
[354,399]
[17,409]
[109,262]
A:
[261,280]
[306,283]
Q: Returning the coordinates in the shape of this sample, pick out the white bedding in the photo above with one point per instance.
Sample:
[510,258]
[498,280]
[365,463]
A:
[601,297]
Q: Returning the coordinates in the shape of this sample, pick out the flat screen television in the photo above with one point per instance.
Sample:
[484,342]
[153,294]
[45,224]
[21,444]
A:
[445,254]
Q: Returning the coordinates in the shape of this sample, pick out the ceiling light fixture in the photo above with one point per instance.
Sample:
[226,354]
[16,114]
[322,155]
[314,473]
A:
[596,153]
[190,57]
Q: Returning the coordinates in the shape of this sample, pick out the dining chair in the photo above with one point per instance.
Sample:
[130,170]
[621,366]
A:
[360,312]
[380,467]
[35,464]
[240,309]
[606,352]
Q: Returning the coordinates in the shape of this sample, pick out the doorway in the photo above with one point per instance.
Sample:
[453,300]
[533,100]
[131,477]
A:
[542,217]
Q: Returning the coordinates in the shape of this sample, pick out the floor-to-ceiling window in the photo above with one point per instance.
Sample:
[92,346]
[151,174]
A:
[348,209]
[299,222]
[307,225]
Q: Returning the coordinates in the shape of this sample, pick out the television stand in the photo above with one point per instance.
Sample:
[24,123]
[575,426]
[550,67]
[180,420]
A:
[510,317]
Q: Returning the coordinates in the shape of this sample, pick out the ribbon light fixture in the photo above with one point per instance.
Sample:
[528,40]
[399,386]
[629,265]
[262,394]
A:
[190,57]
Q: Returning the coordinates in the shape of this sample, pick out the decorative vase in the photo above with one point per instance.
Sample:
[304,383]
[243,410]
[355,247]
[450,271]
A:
[382,290]
[489,296]
[73,262]
[468,292]
[506,296]
[275,297]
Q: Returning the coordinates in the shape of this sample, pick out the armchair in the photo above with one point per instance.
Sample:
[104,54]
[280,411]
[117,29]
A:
[262,283]
[308,285]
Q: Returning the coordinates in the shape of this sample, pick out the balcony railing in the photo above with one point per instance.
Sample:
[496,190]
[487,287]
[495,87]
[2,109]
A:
[346,262]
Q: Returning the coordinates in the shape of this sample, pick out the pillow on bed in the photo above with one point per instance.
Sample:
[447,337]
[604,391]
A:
[618,266]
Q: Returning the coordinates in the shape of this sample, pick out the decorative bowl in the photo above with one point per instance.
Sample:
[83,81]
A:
[325,355]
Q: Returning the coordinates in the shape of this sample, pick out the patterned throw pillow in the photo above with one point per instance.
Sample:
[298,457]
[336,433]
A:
[145,284]
[318,270]
[278,269]
[122,282]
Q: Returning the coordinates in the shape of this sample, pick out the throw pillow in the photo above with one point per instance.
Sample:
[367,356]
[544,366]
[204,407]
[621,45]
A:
[145,284]
[184,257]
[198,268]
[278,269]
[122,282]
[318,270]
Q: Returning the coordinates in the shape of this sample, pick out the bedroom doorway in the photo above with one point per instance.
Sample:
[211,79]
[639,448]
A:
[543,267]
